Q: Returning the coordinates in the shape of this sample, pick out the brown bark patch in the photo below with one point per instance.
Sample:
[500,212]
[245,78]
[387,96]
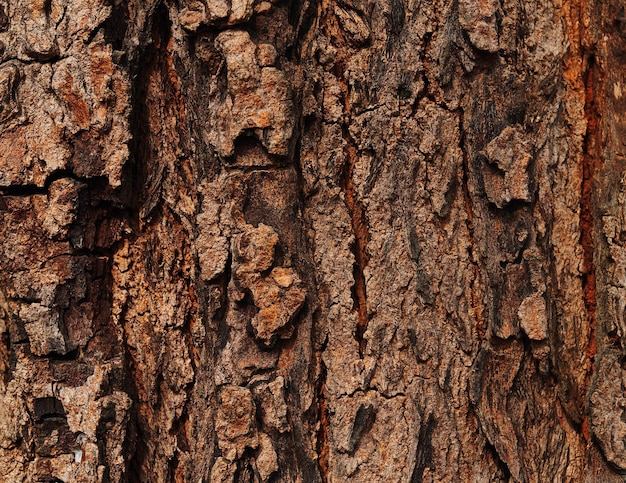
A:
[324,423]
[591,159]
[361,238]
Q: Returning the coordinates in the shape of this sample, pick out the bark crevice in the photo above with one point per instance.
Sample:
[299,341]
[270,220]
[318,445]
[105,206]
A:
[361,237]
[591,159]
[322,446]
[590,164]
[312,240]
[359,222]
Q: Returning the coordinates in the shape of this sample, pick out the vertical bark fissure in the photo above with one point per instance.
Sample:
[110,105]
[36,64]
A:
[149,61]
[590,162]
[424,451]
[481,326]
[139,154]
[515,101]
[140,150]
[355,207]
[322,445]
[359,222]
[505,473]
[361,237]
[173,81]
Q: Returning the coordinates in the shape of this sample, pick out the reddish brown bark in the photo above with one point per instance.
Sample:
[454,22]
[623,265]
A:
[312,241]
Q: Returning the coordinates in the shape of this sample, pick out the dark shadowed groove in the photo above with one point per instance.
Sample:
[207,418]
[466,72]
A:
[361,238]
[591,159]
[360,227]
[324,424]
[56,175]
[590,164]
[147,61]
[481,323]
[424,451]
[356,210]
[505,473]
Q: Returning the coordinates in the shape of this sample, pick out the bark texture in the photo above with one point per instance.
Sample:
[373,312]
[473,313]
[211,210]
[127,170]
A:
[313,240]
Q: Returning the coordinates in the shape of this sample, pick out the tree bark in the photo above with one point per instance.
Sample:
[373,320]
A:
[316,241]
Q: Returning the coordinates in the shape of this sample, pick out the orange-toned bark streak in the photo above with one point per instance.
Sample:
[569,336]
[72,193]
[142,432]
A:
[591,159]
[361,238]
[581,77]
[355,207]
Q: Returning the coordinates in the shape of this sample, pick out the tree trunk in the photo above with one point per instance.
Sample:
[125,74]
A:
[315,241]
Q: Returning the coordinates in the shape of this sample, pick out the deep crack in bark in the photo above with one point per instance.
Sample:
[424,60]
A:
[361,238]
[590,162]
[356,210]
[322,433]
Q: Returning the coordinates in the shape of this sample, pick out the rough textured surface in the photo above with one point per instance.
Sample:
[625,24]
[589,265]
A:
[255,241]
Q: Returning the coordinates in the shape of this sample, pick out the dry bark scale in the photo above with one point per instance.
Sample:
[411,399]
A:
[312,240]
